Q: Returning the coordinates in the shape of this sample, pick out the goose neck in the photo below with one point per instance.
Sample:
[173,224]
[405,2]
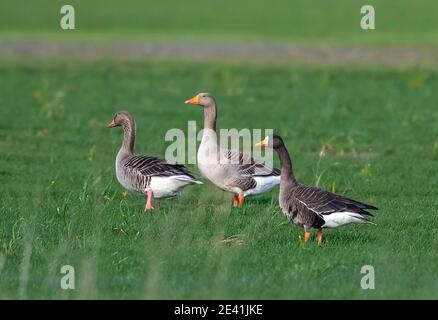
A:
[128,137]
[210,116]
[287,174]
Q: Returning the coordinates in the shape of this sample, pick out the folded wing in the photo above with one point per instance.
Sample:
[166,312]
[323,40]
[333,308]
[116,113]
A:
[324,202]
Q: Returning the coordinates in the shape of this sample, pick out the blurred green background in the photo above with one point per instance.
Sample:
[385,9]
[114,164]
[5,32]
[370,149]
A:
[402,22]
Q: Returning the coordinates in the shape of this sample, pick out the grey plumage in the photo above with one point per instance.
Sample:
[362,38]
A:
[247,169]
[310,206]
[138,173]
[230,170]
[138,170]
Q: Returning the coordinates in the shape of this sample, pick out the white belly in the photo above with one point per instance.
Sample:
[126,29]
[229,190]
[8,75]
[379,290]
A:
[164,187]
[264,184]
[338,219]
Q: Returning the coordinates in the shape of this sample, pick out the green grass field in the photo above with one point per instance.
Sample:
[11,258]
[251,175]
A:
[60,203]
[337,22]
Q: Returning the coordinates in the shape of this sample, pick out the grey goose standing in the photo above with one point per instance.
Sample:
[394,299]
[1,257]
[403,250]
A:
[143,174]
[310,206]
[229,170]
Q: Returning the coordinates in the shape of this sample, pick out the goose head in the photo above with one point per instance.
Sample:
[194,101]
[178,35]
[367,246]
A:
[203,99]
[121,118]
[274,142]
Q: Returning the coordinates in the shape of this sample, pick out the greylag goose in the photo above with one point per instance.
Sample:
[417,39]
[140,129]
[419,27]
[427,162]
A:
[230,170]
[146,175]
[310,206]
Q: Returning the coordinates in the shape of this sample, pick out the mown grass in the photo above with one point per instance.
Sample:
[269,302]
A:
[403,22]
[60,203]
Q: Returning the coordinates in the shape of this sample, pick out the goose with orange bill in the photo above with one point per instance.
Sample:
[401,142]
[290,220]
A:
[230,170]
[310,206]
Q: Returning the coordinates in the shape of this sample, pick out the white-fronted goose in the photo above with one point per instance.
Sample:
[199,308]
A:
[310,206]
[146,175]
[230,170]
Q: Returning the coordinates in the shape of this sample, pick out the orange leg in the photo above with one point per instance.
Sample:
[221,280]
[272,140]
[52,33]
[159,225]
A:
[306,236]
[319,235]
[235,201]
[241,200]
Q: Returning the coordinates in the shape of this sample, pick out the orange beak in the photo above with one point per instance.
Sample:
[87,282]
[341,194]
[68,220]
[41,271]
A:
[194,100]
[112,124]
[262,144]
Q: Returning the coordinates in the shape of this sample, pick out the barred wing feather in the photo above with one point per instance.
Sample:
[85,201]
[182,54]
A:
[150,166]
[324,202]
